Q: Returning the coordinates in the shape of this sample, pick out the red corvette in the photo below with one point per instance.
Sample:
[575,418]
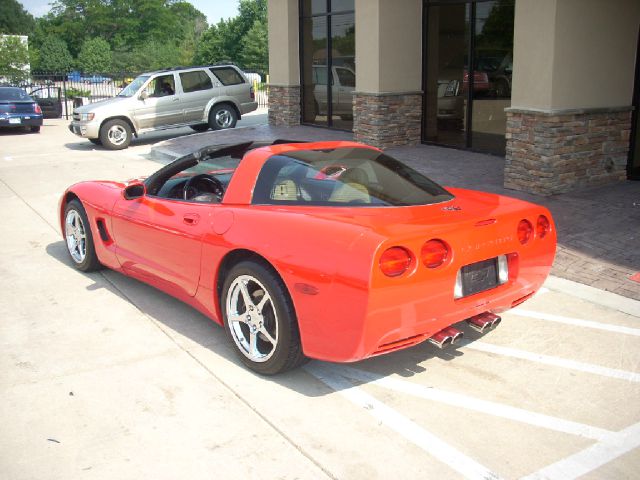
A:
[329,250]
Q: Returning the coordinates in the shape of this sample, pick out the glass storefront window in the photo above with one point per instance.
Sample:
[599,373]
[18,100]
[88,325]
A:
[464,106]
[328,64]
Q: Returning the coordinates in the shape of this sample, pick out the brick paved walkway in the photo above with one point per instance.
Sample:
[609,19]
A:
[598,228]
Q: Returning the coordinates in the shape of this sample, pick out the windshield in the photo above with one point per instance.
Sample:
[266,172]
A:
[131,89]
[14,94]
[343,177]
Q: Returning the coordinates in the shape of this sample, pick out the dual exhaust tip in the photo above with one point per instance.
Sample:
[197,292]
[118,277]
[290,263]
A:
[480,323]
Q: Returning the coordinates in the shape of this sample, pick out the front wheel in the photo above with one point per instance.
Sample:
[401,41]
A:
[77,233]
[223,116]
[260,319]
[115,134]
[95,141]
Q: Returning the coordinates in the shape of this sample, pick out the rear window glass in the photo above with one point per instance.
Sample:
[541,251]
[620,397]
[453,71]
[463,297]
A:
[195,81]
[343,177]
[16,94]
[227,76]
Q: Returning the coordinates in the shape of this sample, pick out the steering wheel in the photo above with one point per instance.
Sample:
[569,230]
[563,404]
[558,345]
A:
[213,185]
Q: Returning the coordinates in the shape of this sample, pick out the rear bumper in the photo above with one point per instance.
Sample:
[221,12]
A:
[391,318]
[21,121]
[248,107]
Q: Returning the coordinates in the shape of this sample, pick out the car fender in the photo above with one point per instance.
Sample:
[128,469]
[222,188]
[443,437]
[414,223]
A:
[216,101]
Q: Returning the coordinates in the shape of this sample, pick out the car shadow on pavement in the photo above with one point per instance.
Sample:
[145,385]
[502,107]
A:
[183,324]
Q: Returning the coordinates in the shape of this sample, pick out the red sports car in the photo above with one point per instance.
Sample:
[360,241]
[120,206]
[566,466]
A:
[328,250]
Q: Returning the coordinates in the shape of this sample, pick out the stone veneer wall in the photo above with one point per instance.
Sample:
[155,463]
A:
[555,152]
[284,105]
[387,119]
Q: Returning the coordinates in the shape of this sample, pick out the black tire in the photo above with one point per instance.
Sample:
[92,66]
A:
[115,134]
[277,318]
[35,129]
[95,141]
[89,262]
[502,89]
[202,127]
[223,116]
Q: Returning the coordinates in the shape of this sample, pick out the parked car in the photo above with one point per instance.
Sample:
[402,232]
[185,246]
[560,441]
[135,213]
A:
[327,250]
[199,97]
[342,82]
[49,98]
[19,110]
[76,76]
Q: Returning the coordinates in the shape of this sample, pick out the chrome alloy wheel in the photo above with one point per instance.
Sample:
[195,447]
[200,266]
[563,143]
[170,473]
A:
[117,134]
[223,118]
[76,236]
[252,318]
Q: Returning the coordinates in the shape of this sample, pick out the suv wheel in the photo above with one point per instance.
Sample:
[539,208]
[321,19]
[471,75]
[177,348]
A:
[223,116]
[115,134]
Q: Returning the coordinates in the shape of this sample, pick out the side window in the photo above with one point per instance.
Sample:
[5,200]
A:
[227,76]
[320,74]
[195,81]
[161,86]
[346,77]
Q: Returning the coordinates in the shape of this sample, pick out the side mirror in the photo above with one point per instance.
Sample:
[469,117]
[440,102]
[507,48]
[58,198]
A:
[143,95]
[134,190]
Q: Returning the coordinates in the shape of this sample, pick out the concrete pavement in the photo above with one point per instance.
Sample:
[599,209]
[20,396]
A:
[103,377]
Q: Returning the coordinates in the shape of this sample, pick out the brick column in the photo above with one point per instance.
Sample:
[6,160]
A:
[284,105]
[555,152]
[387,119]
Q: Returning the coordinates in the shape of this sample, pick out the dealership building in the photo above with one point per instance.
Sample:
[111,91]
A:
[552,85]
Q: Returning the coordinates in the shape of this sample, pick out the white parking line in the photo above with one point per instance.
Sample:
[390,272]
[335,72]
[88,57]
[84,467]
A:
[555,361]
[424,439]
[478,405]
[577,322]
[592,457]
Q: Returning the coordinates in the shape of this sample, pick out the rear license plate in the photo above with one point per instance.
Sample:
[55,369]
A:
[479,276]
[14,120]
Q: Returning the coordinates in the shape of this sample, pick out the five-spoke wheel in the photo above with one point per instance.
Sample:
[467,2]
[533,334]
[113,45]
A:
[79,238]
[260,318]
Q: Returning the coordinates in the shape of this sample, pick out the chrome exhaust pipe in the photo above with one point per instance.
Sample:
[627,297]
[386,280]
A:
[446,337]
[484,322]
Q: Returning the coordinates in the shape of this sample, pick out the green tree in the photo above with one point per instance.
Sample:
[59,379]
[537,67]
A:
[255,50]
[54,56]
[95,56]
[14,59]
[224,41]
[14,19]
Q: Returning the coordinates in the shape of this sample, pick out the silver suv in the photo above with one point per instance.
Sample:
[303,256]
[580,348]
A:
[199,97]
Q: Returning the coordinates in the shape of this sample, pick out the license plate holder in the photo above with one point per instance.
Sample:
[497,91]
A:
[479,277]
[15,121]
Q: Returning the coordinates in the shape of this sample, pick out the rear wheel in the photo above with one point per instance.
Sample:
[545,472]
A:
[223,116]
[260,319]
[115,134]
[95,141]
[35,129]
[77,233]
[203,127]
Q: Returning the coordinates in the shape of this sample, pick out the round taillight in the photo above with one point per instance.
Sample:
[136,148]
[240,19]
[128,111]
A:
[525,231]
[395,261]
[434,253]
[542,226]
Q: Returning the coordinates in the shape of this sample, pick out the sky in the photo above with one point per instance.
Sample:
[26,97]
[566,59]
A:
[215,10]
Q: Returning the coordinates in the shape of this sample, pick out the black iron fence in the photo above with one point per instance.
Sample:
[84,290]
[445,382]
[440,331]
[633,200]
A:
[62,92]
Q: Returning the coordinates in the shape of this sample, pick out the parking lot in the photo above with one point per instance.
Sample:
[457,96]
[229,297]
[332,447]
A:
[103,377]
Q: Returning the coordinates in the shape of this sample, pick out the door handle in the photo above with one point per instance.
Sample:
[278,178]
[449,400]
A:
[191,218]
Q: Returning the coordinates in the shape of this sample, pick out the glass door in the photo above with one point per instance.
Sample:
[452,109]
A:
[468,62]
[327,61]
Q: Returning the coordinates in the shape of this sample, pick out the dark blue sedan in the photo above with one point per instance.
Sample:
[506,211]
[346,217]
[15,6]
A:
[18,109]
